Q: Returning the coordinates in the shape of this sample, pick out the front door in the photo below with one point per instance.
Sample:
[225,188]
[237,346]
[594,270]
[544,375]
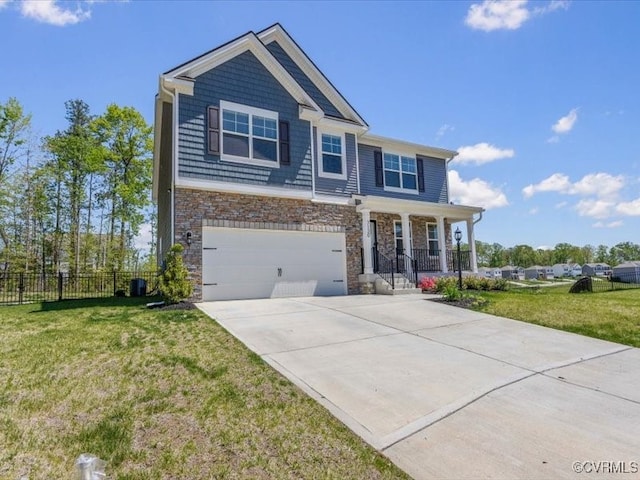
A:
[373,232]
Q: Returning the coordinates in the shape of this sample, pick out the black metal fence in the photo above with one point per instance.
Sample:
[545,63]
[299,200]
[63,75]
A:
[19,288]
[622,281]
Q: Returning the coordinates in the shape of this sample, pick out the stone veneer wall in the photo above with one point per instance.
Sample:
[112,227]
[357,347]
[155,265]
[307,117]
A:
[192,207]
[386,237]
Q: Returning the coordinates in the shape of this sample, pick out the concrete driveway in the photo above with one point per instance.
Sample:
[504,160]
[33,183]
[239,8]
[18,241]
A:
[450,393]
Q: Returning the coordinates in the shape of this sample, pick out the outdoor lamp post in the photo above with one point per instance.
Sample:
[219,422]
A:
[458,237]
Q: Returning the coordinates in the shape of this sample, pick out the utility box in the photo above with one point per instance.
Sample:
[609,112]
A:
[138,287]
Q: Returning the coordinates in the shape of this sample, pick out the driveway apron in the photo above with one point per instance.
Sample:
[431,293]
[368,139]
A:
[450,393]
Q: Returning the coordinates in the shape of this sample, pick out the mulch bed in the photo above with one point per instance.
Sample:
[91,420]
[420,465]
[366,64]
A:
[466,302]
[173,306]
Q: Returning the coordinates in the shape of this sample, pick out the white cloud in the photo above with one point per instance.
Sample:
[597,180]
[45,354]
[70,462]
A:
[616,224]
[631,209]
[600,184]
[481,153]
[594,208]
[566,123]
[534,210]
[552,7]
[143,239]
[3,3]
[497,15]
[557,182]
[444,129]
[560,205]
[475,192]
[48,11]
[554,139]
[544,247]
[507,14]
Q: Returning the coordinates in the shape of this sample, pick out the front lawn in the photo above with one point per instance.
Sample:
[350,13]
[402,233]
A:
[613,316]
[158,395]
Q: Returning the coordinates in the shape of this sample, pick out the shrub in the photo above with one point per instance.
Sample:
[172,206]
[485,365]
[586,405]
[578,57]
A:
[442,283]
[427,284]
[451,293]
[174,284]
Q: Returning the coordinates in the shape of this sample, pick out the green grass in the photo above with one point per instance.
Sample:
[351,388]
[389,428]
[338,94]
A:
[158,395]
[613,316]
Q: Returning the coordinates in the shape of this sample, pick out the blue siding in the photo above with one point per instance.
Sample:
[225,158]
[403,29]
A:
[330,185]
[435,182]
[244,80]
[305,82]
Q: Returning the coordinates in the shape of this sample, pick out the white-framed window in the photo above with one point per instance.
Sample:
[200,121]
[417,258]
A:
[400,173]
[432,239]
[332,162]
[399,235]
[248,134]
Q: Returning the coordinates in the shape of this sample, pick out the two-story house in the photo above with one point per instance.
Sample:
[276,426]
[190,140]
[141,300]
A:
[274,185]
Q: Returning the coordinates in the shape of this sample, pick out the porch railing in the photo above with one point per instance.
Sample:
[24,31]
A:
[452,260]
[385,267]
[429,260]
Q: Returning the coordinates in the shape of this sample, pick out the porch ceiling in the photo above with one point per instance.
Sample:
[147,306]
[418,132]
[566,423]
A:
[414,207]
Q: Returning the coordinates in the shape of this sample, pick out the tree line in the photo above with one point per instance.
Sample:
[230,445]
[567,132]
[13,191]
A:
[495,255]
[74,201]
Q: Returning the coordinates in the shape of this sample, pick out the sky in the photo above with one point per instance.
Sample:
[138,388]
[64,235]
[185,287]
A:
[541,99]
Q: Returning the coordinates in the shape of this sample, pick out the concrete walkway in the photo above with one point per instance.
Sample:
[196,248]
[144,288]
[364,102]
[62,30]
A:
[450,393]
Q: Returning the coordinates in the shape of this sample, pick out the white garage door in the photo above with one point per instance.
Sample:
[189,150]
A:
[244,263]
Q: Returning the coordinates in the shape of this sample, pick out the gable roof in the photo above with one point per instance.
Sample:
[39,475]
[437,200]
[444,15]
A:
[276,33]
[183,74]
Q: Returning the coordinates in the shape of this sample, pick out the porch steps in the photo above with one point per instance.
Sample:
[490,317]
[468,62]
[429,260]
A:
[403,286]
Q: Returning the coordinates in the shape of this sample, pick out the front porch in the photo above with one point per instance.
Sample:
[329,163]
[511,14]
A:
[414,239]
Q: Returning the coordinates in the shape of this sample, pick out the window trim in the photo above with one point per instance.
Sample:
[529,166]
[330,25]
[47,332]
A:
[251,111]
[395,236]
[429,239]
[401,189]
[343,154]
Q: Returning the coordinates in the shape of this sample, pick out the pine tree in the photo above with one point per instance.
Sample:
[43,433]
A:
[174,283]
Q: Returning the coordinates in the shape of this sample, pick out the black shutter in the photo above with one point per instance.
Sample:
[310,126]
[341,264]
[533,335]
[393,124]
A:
[213,130]
[285,159]
[420,165]
[377,157]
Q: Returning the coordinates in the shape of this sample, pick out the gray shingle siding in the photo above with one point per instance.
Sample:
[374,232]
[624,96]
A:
[243,80]
[435,182]
[332,186]
[305,82]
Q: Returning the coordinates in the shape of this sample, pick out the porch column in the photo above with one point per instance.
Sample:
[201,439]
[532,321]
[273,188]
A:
[406,234]
[472,245]
[442,244]
[366,241]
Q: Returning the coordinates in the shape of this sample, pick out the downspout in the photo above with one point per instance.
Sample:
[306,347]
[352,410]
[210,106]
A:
[475,253]
[313,161]
[174,142]
[478,220]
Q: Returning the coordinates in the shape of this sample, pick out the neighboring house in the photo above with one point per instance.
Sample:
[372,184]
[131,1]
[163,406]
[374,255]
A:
[628,272]
[596,269]
[538,272]
[567,270]
[511,272]
[489,272]
[272,182]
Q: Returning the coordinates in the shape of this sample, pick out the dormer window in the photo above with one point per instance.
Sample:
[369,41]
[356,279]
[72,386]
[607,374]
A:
[332,159]
[249,134]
